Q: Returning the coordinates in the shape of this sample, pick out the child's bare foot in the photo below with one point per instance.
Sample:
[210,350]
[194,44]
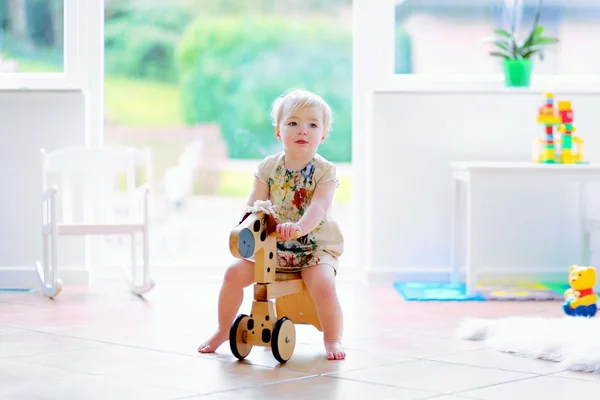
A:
[212,344]
[334,350]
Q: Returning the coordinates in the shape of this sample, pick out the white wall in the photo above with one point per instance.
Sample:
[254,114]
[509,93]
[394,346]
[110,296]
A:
[31,120]
[414,138]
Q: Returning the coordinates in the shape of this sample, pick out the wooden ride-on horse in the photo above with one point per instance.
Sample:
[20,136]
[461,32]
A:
[269,323]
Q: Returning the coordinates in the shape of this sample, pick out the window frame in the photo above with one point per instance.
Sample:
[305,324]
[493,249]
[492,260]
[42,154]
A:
[83,65]
[71,76]
[382,24]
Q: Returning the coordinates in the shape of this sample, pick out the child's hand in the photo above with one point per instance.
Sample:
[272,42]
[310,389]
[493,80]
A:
[289,230]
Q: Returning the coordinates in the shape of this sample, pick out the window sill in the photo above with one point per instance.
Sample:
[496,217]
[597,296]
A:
[487,84]
[41,81]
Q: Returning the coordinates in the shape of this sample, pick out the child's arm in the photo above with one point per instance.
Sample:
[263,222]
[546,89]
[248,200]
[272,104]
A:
[260,191]
[319,204]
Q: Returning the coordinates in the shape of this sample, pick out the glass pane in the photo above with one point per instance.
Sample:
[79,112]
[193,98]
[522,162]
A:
[195,80]
[31,35]
[439,36]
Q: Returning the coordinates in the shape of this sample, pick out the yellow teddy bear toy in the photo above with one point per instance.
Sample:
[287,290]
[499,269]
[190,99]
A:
[580,299]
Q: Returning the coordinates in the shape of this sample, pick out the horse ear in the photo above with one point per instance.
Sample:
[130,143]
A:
[244,217]
[271,224]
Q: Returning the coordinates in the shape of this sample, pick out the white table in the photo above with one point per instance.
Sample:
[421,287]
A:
[470,173]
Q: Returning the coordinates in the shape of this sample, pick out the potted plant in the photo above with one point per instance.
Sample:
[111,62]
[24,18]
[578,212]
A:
[517,54]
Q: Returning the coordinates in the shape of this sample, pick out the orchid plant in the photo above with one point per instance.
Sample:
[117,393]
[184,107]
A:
[508,45]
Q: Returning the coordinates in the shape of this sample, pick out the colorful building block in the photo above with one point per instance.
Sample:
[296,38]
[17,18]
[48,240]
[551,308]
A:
[563,120]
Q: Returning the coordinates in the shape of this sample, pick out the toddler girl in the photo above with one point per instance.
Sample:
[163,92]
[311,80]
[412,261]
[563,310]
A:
[300,183]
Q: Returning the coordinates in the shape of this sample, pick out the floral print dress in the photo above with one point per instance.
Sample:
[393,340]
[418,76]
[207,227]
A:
[290,193]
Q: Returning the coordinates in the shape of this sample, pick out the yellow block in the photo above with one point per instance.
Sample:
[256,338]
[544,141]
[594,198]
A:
[567,157]
[563,129]
[548,119]
[564,105]
[578,157]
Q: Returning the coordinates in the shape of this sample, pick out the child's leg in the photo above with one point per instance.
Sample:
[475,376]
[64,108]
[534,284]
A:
[237,277]
[320,281]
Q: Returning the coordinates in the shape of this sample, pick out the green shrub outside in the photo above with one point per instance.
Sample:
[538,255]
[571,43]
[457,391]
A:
[140,41]
[233,68]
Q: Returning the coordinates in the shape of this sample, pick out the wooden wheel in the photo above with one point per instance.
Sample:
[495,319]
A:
[283,340]
[238,336]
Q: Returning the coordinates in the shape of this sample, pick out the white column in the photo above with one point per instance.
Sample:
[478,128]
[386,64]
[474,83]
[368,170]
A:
[72,41]
[373,62]
[91,58]
[91,33]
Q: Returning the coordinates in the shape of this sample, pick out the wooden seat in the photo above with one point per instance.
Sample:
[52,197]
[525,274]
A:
[285,284]
[287,276]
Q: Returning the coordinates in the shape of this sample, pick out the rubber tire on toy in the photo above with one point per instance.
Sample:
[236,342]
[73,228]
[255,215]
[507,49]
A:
[283,340]
[238,333]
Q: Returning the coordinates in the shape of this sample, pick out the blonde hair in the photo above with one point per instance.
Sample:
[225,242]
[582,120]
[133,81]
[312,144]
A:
[297,99]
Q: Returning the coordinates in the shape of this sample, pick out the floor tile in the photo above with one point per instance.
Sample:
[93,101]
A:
[442,378]
[90,387]
[201,375]
[18,342]
[586,376]
[491,358]
[416,346]
[541,387]
[7,308]
[160,336]
[103,360]
[5,330]
[311,359]
[448,397]
[102,342]
[325,388]
[17,377]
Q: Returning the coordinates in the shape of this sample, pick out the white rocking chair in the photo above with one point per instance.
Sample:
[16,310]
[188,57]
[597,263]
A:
[93,165]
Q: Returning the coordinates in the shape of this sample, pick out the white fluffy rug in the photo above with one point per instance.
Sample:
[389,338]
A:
[573,341]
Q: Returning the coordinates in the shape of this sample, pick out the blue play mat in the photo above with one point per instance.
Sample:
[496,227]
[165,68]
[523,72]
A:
[435,291]
[498,290]
[16,290]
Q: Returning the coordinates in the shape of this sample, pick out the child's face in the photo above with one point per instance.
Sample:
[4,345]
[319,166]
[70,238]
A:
[301,131]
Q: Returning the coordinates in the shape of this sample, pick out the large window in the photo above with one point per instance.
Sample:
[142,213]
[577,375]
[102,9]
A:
[194,81]
[444,37]
[32,36]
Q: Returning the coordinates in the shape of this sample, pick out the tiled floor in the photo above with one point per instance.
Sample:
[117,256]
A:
[102,343]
